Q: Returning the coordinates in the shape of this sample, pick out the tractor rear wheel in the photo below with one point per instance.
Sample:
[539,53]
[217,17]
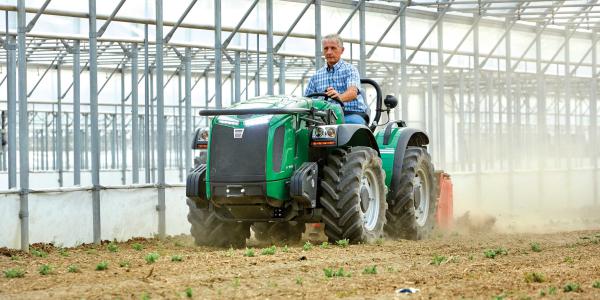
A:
[353,195]
[278,232]
[208,230]
[412,215]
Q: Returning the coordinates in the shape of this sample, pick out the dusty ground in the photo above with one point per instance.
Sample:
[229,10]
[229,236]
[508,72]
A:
[463,271]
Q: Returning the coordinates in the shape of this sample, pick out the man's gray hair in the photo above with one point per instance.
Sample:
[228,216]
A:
[334,37]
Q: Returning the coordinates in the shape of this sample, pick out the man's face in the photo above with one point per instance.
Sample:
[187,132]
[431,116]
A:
[332,51]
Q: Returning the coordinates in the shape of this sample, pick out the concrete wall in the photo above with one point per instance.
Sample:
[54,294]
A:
[64,216]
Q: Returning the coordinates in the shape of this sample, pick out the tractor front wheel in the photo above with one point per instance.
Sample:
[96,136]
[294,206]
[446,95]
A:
[208,230]
[412,215]
[353,195]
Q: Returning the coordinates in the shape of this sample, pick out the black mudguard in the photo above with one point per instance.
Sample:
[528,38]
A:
[356,135]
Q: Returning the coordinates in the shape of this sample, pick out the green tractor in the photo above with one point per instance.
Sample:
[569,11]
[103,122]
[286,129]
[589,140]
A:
[277,163]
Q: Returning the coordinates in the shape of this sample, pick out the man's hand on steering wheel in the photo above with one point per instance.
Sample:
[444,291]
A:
[333,94]
[327,97]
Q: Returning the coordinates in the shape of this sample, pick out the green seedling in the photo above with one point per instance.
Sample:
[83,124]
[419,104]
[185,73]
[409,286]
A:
[438,260]
[236,282]
[370,270]
[324,245]
[571,287]
[492,253]
[268,251]
[145,296]
[534,277]
[299,280]
[568,260]
[499,297]
[189,293]
[379,241]
[285,249]
[176,258]
[307,246]
[535,247]
[137,247]
[45,269]
[124,264]
[38,253]
[14,273]
[343,243]
[73,269]
[249,252]
[329,273]
[102,266]
[63,252]
[596,284]
[230,252]
[151,258]
[112,247]
[15,257]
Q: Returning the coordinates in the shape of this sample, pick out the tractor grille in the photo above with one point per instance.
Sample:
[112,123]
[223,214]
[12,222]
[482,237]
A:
[238,160]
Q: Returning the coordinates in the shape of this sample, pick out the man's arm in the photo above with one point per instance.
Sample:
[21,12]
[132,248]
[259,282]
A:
[310,88]
[350,94]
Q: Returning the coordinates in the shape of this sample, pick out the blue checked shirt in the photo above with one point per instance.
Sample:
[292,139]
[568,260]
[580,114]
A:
[340,77]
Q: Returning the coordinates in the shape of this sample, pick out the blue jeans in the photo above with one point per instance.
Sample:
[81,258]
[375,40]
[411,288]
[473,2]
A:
[354,119]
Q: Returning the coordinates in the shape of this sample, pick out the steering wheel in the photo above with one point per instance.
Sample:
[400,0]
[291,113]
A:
[326,97]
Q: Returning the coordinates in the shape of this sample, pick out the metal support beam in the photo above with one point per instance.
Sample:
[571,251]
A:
[110,18]
[135,158]
[239,25]
[508,148]
[358,5]
[123,131]
[23,129]
[93,48]
[270,70]
[160,110]
[237,70]
[362,63]
[37,16]
[76,113]
[282,75]
[291,28]
[188,110]
[181,18]
[11,60]
[59,125]
[146,108]
[403,67]
[218,55]
[318,47]
[441,103]
[594,118]
[541,114]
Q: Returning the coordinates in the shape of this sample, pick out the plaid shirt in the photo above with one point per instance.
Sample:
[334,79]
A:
[340,77]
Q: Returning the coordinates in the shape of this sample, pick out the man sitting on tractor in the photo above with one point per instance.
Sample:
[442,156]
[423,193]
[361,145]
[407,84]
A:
[340,81]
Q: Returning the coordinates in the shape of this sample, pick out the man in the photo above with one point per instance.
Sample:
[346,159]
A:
[339,80]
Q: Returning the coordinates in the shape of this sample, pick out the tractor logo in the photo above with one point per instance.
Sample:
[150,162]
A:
[238,133]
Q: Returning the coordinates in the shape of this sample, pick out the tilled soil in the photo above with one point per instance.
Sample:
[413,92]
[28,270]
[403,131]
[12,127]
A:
[449,265]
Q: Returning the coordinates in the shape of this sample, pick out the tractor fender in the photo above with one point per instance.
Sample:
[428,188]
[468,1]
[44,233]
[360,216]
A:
[408,137]
[356,135]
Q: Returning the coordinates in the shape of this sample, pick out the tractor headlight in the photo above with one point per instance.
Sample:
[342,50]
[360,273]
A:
[323,136]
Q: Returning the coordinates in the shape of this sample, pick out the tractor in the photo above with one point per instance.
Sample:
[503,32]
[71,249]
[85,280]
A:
[276,163]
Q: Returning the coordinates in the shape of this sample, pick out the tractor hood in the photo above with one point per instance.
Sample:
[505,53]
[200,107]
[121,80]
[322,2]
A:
[261,102]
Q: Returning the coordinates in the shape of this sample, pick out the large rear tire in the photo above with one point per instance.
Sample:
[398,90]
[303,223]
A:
[353,195]
[208,230]
[412,216]
[278,232]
